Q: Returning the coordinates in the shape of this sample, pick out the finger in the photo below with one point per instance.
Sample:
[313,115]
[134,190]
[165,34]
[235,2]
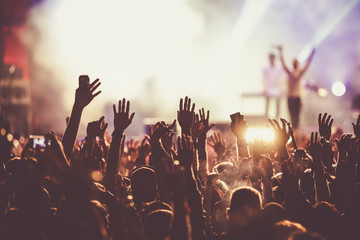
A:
[271,123]
[172,125]
[131,117]
[127,107]
[95,94]
[105,126]
[94,82]
[319,119]
[277,124]
[95,87]
[189,104]
[312,138]
[324,118]
[328,120]
[186,103]
[283,121]
[114,108]
[119,107]
[207,115]
[123,106]
[331,122]
[212,138]
[193,107]
[316,137]
[179,142]
[181,105]
[358,120]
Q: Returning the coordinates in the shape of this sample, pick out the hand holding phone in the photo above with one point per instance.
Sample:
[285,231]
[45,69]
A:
[238,126]
[84,80]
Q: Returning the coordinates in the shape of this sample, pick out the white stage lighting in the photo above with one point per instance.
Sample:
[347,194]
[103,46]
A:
[338,89]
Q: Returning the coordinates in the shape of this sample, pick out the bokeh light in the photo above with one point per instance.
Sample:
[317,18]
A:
[338,89]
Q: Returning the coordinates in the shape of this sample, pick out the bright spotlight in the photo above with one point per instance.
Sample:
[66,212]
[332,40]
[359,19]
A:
[264,134]
[338,89]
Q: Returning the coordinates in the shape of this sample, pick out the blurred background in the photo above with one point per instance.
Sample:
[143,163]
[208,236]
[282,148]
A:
[153,52]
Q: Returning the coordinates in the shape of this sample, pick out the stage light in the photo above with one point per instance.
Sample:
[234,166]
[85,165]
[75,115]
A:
[338,89]
[322,92]
[265,134]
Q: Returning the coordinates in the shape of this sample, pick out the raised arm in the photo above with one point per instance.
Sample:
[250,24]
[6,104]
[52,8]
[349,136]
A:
[83,96]
[308,61]
[280,48]
[121,121]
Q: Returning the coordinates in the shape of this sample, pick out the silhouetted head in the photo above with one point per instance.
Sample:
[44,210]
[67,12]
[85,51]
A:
[245,206]
[284,229]
[157,224]
[295,64]
[273,212]
[153,206]
[143,184]
[306,236]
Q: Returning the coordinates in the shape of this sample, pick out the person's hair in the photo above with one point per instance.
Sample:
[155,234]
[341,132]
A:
[245,197]
[306,236]
[143,184]
[284,229]
[273,212]
[157,224]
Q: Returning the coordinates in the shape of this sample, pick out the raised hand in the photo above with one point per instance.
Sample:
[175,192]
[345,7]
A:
[357,127]
[121,117]
[196,128]
[343,144]
[96,128]
[325,124]
[315,150]
[281,134]
[144,151]
[218,144]
[185,151]
[167,141]
[291,174]
[132,146]
[205,122]
[186,115]
[85,94]
[159,130]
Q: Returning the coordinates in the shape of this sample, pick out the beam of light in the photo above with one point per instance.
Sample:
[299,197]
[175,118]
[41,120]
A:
[334,18]
[250,16]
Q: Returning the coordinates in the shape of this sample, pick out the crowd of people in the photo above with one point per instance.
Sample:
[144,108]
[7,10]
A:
[165,187]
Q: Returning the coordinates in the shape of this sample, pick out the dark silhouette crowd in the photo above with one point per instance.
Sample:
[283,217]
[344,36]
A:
[167,187]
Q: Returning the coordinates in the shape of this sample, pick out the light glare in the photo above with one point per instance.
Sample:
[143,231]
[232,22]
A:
[338,89]
[264,134]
